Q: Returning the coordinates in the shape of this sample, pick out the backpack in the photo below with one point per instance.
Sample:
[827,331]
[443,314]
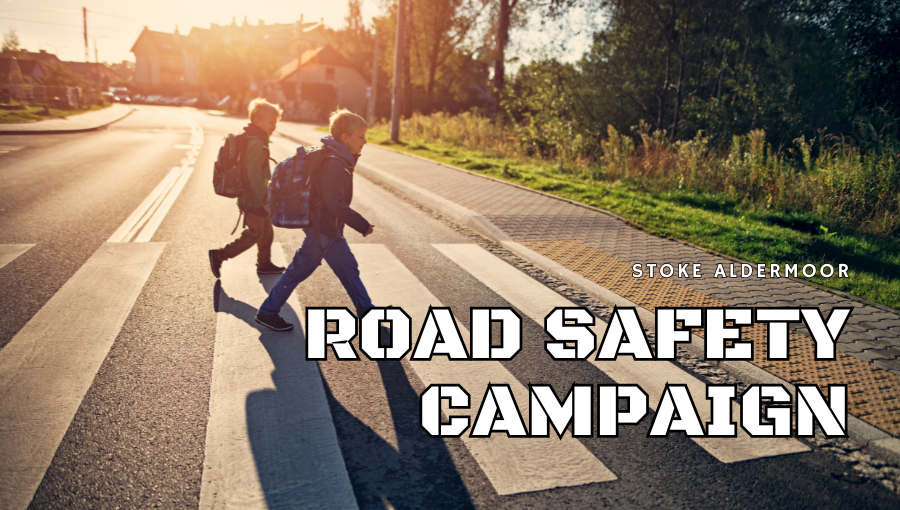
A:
[289,189]
[228,179]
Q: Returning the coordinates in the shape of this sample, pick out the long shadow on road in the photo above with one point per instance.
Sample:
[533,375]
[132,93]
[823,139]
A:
[419,474]
[288,433]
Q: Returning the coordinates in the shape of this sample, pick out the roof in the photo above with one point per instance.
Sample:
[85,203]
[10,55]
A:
[26,67]
[276,36]
[161,42]
[41,56]
[326,56]
[92,68]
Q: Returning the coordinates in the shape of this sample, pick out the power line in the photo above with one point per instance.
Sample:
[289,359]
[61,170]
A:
[65,25]
[41,8]
[73,11]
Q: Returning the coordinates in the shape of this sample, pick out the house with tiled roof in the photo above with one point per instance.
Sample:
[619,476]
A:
[168,64]
[326,80]
[20,77]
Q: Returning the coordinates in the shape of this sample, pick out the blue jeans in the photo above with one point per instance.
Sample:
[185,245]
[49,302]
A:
[338,255]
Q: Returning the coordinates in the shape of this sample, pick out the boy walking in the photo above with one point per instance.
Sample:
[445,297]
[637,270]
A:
[330,196]
[255,167]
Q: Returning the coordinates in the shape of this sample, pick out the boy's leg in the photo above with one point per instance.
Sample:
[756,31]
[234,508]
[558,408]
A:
[264,243]
[345,267]
[249,236]
[304,263]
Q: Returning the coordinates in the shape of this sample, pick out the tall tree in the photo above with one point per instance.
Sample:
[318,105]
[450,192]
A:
[11,48]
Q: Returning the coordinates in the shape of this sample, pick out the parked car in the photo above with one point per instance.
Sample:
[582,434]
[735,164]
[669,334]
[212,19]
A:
[120,94]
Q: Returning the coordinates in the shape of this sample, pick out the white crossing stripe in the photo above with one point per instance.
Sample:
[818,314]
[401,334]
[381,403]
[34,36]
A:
[4,149]
[270,439]
[536,301]
[512,465]
[10,252]
[47,368]
[144,221]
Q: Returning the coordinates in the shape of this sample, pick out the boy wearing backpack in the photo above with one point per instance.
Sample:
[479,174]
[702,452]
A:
[255,167]
[331,192]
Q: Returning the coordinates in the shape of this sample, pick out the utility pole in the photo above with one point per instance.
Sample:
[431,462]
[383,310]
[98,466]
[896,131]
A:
[86,58]
[299,65]
[373,95]
[398,56]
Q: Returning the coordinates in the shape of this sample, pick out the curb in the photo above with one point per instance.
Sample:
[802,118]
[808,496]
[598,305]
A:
[67,131]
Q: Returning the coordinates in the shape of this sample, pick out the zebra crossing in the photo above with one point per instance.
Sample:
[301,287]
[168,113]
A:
[270,437]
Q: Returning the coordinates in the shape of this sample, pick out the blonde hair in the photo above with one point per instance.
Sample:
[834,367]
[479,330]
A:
[344,121]
[260,107]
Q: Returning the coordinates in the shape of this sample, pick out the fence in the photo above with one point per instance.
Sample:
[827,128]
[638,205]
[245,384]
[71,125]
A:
[61,97]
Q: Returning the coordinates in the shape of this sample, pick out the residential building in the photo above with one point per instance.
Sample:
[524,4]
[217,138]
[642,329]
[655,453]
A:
[168,64]
[327,80]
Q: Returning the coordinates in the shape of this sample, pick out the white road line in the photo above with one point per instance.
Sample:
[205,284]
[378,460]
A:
[270,440]
[144,221]
[536,301]
[10,252]
[47,368]
[512,465]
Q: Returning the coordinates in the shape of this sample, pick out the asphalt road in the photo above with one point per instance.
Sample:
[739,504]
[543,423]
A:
[138,438]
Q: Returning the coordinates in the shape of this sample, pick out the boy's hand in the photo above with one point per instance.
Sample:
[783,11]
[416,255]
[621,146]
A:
[368,232]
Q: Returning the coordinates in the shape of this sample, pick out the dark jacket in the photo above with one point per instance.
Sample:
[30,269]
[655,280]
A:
[330,197]
[255,161]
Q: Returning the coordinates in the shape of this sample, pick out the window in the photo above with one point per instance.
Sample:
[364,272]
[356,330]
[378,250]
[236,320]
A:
[329,73]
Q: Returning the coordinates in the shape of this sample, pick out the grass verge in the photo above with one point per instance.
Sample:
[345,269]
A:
[36,113]
[705,219]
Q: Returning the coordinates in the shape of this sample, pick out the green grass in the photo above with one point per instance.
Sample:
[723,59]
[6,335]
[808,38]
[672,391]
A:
[706,219]
[36,113]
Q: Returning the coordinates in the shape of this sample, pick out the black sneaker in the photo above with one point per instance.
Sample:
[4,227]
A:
[269,268]
[215,263]
[274,322]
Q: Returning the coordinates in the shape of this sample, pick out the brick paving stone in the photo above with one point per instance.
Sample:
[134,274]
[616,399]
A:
[869,355]
[850,347]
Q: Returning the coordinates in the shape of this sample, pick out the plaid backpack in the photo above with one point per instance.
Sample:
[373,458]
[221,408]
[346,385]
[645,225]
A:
[290,186]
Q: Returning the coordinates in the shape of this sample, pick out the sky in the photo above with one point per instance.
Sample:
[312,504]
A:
[114,25]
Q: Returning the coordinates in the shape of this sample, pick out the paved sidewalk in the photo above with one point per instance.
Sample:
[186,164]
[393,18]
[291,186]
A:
[597,249]
[73,124]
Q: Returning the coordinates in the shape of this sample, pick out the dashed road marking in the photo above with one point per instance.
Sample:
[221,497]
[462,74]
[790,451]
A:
[144,221]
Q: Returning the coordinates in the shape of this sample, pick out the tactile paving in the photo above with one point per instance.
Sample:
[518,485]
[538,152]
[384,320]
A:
[873,393]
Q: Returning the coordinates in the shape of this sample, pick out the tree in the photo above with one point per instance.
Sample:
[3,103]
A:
[440,65]
[11,48]
[229,69]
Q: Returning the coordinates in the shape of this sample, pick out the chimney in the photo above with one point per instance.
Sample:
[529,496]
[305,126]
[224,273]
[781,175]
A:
[234,21]
[245,20]
[262,23]
[176,30]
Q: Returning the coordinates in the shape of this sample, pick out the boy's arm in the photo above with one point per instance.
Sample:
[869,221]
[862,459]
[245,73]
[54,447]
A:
[257,167]
[332,181]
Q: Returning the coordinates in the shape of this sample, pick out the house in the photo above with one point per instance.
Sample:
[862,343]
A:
[23,79]
[168,64]
[327,80]
[95,75]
